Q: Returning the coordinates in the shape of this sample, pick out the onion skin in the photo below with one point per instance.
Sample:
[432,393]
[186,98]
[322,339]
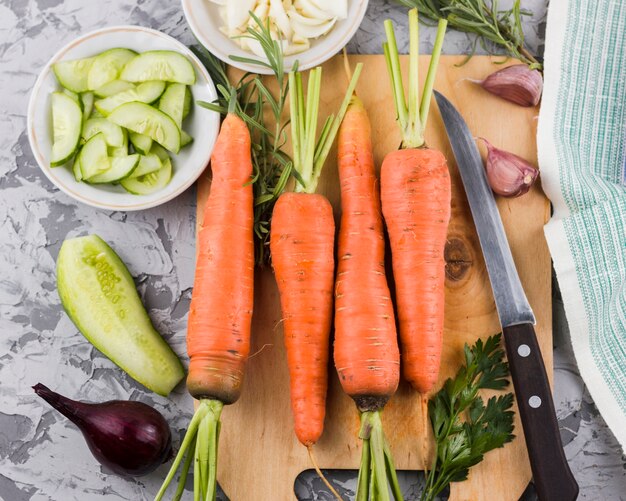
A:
[130,438]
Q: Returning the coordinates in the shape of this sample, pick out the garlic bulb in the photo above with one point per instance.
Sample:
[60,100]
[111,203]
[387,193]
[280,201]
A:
[518,84]
[508,174]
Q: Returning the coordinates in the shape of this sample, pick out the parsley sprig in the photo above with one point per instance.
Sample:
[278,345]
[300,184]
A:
[465,428]
[500,27]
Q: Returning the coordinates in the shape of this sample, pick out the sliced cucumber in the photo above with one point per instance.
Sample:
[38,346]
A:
[142,118]
[113,134]
[172,102]
[147,164]
[159,151]
[67,120]
[120,151]
[73,74]
[121,167]
[75,97]
[78,175]
[141,142]
[151,182]
[99,295]
[163,65]
[187,105]
[107,66]
[147,92]
[93,157]
[185,138]
[87,100]
[113,87]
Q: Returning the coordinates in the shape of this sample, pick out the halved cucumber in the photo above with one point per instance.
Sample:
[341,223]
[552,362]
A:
[121,167]
[113,134]
[99,295]
[147,92]
[147,164]
[107,66]
[144,119]
[87,99]
[172,102]
[93,157]
[141,142]
[78,175]
[67,120]
[73,74]
[149,183]
[159,151]
[113,87]
[185,138]
[163,65]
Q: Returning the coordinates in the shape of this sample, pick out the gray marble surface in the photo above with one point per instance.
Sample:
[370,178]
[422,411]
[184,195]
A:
[42,456]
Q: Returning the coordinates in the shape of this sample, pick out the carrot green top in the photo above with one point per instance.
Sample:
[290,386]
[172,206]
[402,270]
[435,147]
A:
[412,117]
[309,155]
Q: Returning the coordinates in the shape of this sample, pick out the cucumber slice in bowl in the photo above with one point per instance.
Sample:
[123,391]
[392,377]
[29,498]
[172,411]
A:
[73,74]
[93,158]
[86,98]
[113,87]
[149,183]
[172,102]
[107,66]
[121,168]
[67,120]
[147,164]
[165,65]
[113,134]
[144,119]
[99,295]
[147,92]
[141,142]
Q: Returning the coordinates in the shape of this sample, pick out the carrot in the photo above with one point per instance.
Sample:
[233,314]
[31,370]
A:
[218,332]
[366,347]
[302,250]
[415,193]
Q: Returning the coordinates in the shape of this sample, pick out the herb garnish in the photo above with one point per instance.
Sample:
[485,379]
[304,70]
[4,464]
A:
[500,27]
[465,428]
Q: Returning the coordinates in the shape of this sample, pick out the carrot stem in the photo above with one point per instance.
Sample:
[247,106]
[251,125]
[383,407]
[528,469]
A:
[412,119]
[391,472]
[432,71]
[363,480]
[184,472]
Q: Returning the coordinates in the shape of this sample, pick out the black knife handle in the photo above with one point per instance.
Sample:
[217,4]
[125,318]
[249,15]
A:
[551,473]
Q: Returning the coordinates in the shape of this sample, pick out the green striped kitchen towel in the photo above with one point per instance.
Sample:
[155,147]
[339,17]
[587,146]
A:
[582,150]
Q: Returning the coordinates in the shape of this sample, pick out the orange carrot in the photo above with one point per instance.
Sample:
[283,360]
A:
[415,193]
[302,249]
[366,346]
[220,315]
[218,331]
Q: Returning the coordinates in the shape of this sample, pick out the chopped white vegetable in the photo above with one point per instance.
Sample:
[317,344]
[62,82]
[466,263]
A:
[293,22]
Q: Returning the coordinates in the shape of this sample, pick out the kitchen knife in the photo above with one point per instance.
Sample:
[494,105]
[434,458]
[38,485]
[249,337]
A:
[553,479]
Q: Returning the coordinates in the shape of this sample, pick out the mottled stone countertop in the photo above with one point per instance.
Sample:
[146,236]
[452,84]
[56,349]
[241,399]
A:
[42,456]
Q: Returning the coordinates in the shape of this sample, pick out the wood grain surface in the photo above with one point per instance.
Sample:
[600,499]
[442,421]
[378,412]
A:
[260,456]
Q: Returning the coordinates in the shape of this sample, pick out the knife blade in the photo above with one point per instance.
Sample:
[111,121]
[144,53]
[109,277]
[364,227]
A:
[553,478]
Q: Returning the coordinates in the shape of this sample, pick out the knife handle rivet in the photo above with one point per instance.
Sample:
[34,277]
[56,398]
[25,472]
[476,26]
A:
[534,401]
[523,350]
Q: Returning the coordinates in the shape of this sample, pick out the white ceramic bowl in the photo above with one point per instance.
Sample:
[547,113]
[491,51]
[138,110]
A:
[202,124]
[204,19]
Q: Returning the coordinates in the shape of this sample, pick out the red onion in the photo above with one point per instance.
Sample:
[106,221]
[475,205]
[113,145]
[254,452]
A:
[130,438]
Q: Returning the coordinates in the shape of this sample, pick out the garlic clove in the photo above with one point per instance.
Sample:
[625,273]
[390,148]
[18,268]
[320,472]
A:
[518,84]
[509,175]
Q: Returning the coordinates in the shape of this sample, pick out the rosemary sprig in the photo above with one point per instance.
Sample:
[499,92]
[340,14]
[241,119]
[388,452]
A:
[465,429]
[483,18]
[252,100]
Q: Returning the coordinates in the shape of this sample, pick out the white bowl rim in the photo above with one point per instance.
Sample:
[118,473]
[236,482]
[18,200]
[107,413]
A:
[303,63]
[34,145]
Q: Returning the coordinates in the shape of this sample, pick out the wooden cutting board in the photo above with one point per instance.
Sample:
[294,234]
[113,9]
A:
[260,456]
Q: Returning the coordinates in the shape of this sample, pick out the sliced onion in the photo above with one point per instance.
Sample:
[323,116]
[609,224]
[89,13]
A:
[302,27]
[335,8]
[238,12]
[279,16]
[310,10]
